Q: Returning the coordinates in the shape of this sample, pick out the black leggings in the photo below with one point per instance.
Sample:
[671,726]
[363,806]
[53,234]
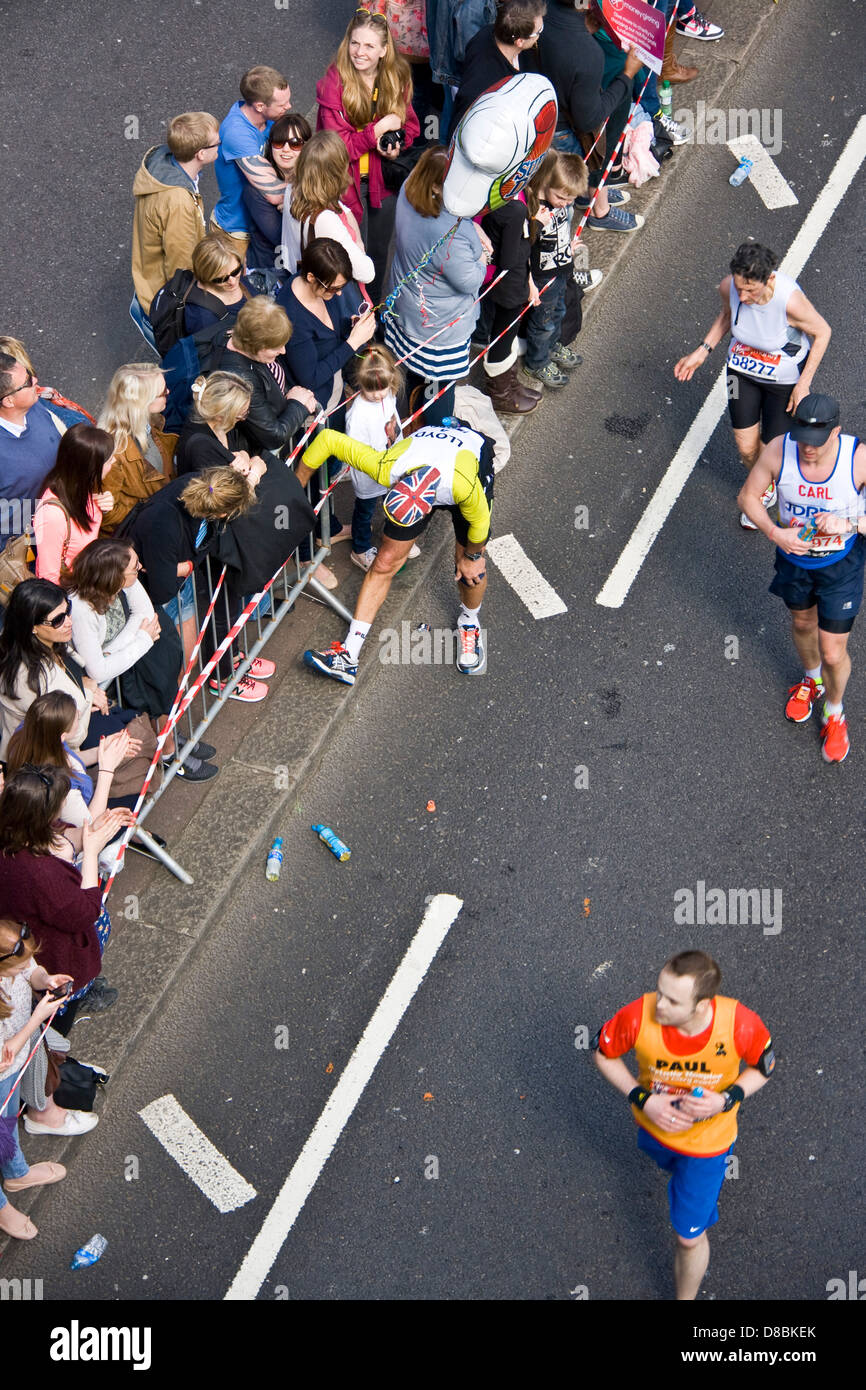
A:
[752,402]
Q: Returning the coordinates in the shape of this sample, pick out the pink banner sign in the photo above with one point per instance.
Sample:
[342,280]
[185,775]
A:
[633,22]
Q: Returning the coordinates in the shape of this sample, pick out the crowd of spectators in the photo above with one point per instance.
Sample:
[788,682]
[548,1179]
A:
[263,318]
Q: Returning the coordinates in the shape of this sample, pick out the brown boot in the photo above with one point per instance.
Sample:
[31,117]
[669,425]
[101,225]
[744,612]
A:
[672,71]
[507,394]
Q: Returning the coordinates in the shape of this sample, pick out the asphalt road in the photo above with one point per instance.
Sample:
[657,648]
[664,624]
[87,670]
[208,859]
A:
[693,774]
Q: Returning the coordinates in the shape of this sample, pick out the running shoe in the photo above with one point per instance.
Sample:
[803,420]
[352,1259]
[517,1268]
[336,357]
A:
[835,739]
[588,279]
[549,374]
[801,698]
[564,357]
[616,221]
[671,128]
[616,196]
[364,558]
[192,769]
[697,26]
[471,658]
[335,663]
[260,668]
[246,690]
[200,749]
[769,495]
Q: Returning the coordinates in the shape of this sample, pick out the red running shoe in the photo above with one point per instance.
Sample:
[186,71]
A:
[801,698]
[835,737]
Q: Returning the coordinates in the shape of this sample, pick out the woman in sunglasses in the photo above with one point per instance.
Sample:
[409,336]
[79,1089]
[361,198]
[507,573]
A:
[38,884]
[20,979]
[217,294]
[266,270]
[132,414]
[34,659]
[367,94]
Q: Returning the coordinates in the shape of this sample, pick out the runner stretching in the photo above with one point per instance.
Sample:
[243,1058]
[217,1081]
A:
[687,1038]
[439,466]
[820,474]
[771,361]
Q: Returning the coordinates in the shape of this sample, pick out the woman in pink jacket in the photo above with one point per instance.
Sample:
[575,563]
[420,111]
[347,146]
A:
[72,503]
[366,94]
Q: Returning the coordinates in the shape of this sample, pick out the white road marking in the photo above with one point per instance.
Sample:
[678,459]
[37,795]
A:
[198,1157]
[772,189]
[526,581]
[438,919]
[625,571]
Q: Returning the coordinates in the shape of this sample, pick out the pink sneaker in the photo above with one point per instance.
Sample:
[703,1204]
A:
[247,689]
[260,668]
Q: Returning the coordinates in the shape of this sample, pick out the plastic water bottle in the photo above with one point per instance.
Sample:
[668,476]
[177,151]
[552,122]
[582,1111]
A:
[741,173]
[698,1091]
[666,99]
[89,1253]
[275,861]
[334,843]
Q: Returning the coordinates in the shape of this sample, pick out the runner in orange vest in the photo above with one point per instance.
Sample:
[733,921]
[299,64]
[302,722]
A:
[691,1044]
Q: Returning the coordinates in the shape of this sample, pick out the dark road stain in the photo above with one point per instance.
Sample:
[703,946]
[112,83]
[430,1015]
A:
[627,426]
[611,703]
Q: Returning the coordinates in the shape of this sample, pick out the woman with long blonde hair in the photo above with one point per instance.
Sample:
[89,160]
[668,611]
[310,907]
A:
[132,413]
[367,94]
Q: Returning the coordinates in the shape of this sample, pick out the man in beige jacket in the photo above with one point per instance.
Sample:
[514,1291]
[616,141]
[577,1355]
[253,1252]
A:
[169,212]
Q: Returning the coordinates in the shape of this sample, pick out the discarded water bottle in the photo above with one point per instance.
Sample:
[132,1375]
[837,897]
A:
[666,99]
[89,1253]
[741,173]
[275,861]
[334,843]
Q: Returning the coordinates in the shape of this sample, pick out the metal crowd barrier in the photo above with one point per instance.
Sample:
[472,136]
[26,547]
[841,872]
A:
[295,578]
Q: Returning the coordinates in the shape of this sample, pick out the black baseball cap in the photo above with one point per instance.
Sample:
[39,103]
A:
[814,419]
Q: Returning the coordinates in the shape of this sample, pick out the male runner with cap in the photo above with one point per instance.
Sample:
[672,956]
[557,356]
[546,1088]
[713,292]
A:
[820,474]
[690,1043]
[439,466]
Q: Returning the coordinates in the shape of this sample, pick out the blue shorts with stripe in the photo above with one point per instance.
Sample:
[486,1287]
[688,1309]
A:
[694,1187]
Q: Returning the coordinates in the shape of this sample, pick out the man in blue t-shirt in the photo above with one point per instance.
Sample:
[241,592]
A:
[265,96]
[29,436]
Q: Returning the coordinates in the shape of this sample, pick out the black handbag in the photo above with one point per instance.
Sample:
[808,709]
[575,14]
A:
[78,1084]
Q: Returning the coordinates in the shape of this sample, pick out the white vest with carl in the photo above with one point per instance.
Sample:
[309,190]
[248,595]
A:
[800,499]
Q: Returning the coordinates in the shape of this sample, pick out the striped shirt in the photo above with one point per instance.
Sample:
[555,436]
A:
[431,361]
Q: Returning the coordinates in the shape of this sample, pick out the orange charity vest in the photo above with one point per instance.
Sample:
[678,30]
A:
[713,1067]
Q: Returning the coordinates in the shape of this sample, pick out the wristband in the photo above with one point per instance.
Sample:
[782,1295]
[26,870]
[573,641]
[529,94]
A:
[706,347]
[734,1095]
[479,555]
[638,1096]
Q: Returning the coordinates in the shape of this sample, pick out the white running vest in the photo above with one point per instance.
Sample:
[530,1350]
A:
[760,333]
[435,446]
[799,500]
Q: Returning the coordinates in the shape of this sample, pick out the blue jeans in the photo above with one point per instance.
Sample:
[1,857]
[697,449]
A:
[544,322]
[17,1166]
[362,528]
[142,323]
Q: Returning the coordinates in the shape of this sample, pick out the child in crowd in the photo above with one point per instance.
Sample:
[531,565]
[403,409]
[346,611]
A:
[550,199]
[372,419]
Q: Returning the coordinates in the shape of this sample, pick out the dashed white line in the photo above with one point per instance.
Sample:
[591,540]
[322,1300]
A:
[198,1157]
[660,505]
[764,175]
[440,916]
[527,582]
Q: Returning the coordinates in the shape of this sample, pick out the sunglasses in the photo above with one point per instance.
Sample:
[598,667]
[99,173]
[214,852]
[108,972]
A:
[18,948]
[297,143]
[221,279]
[59,618]
[329,290]
[29,380]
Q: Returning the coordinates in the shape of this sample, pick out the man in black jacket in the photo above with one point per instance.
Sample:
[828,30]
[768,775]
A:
[570,58]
